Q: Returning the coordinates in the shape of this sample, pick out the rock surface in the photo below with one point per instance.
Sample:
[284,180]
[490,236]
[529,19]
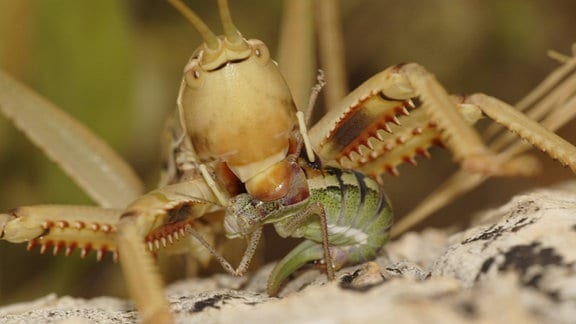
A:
[517,265]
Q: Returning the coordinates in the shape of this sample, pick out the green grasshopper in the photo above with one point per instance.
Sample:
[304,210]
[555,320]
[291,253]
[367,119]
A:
[346,219]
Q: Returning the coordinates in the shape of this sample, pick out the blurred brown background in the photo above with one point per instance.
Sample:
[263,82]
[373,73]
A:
[116,66]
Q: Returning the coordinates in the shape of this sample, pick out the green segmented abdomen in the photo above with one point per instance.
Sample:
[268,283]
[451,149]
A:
[358,214]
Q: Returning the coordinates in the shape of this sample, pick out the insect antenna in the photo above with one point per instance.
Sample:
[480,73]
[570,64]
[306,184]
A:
[230,31]
[304,118]
[209,37]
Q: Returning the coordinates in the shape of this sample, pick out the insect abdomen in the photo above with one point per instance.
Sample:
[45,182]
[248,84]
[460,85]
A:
[358,213]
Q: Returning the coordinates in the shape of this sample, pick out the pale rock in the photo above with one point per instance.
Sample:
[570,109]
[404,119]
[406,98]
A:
[517,266]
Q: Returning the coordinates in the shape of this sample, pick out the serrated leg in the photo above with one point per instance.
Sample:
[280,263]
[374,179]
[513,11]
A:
[457,134]
[373,128]
[551,93]
[461,182]
[62,228]
[161,212]
[528,129]
[552,102]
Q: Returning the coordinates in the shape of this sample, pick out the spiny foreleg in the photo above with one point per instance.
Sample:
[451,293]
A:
[165,212]
[457,134]
[552,103]
[528,129]
[62,228]
[400,113]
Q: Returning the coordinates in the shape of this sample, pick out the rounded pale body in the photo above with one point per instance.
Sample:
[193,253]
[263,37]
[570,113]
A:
[240,112]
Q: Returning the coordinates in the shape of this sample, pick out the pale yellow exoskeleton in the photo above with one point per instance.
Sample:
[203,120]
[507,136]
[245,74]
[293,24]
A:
[198,179]
[248,131]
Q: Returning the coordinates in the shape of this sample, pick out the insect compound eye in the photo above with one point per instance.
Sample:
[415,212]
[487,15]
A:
[193,72]
[193,77]
[260,51]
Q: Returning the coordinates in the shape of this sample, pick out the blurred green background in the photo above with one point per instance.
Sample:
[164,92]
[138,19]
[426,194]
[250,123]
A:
[116,66]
